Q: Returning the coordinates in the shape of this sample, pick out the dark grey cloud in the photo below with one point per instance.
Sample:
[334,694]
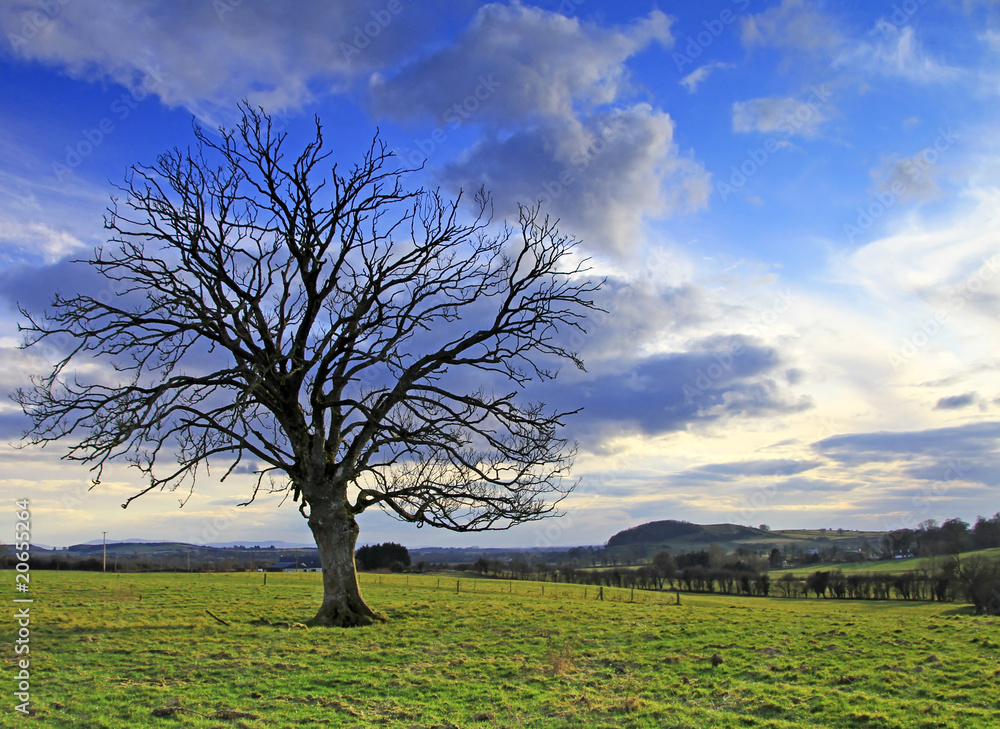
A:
[739,469]
[966,453]
[956,402]
[206,56]
[13,425]
[32,287]
[718,378]
[634,314]
[908,505]
[977,469]
[965,440]
[987,302]
[248,467]
[797,486]
[966,373]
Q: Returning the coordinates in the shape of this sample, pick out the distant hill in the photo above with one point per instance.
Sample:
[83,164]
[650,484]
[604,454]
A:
[658,532]
[655,532]
[644,540]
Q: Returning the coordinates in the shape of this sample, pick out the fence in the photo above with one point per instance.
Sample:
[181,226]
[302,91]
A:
[520,588]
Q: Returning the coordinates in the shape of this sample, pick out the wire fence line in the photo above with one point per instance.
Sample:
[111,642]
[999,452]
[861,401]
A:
[519,588]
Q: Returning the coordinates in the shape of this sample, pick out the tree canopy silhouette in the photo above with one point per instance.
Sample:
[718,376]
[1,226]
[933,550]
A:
[344,333]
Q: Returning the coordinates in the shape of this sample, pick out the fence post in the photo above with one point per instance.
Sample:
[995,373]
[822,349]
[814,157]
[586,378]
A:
[458,586]
[600,593]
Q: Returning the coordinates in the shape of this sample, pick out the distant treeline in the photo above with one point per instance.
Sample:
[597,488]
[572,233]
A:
[197,560]
[744,573]
[973,579]
[58,561]
[953,536]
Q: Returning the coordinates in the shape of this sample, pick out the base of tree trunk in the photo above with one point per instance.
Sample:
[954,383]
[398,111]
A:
[336,533]
[338,615]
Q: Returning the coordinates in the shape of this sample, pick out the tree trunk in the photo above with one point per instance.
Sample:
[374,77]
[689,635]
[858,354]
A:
[336,533]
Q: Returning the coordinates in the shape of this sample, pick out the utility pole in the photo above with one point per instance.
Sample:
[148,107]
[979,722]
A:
[105,567]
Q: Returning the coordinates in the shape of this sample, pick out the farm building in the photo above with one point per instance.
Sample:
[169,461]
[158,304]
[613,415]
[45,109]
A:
[300,565]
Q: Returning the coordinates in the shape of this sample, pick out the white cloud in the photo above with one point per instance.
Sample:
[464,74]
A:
[908,178]
[699,75]
[929,295]
[890,50]
[602,176]
[896,53]
[42,221]
[16,368]
[992,39]
[786,115]
[794,24]
[36,240]
[928,259]
[536,64]
[550,95]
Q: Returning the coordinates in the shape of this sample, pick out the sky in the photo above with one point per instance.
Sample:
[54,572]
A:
[794,203]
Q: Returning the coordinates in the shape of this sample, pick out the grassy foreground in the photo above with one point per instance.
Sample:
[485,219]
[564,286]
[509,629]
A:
[108,650]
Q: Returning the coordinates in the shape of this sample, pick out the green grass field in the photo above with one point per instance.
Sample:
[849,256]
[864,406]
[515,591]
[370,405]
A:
[108,650]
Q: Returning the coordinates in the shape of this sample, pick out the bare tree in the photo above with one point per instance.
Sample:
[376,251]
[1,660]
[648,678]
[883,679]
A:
[336,329]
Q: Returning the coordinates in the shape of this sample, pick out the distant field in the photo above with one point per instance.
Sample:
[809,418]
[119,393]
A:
[831,534]
[887,565]
[107,650]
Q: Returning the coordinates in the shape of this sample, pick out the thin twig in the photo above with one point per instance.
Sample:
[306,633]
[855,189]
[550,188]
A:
[217,618]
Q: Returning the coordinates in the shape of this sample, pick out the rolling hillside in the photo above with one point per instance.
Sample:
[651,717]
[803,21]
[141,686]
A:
[675,536]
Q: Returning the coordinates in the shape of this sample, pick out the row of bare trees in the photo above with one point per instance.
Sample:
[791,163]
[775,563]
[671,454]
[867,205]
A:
[971,579]
[920,585]
[974,579]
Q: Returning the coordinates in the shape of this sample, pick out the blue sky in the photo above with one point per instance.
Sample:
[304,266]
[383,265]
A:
[795,204]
